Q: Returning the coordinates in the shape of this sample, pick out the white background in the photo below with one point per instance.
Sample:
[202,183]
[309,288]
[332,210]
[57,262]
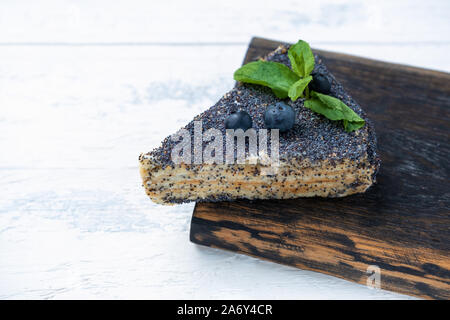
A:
[85,86]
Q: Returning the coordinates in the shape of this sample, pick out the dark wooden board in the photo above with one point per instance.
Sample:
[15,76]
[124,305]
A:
[401,224]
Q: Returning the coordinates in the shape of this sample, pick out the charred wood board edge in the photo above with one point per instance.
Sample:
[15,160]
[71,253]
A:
[307,235]
[317,247]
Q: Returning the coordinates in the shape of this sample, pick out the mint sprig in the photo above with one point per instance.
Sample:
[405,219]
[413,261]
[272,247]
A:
[334,109]
[302,58]
[285,82]
[274,75]
[297,88]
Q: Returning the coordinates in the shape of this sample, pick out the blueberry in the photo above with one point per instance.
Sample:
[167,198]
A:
[320,84]
[238,120]
[279,116]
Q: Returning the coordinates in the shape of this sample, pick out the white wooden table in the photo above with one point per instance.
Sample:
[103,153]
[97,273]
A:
[86,86]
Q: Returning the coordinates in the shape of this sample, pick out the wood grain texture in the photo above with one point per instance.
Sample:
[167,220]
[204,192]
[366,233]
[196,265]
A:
[401,224]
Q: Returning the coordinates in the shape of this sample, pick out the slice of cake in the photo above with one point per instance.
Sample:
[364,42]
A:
[319,154]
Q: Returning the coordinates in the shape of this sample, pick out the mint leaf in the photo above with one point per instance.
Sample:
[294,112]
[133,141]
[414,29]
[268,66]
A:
[334,109]
[302,58]
[274,75]
[296,90]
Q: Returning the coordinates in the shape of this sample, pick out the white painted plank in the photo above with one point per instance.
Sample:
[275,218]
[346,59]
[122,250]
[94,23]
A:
[92,233]
[65,107]
[233,21]
[80,107]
